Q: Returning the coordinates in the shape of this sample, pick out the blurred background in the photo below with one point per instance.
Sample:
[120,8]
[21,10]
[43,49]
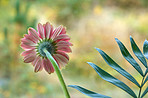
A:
[89,23]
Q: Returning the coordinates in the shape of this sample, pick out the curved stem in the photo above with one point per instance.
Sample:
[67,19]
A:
[58,72]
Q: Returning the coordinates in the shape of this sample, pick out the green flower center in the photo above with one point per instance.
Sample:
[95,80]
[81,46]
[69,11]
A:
[47,44]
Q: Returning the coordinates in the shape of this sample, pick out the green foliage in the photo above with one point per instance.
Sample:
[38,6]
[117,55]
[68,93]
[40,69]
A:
[128,56]
[144,2]
[145,92]
[119,69]
[21,17]
[69,10]
[145,49]
[88,92]
[146,79]
[107,77]
[6,33]
[137,52]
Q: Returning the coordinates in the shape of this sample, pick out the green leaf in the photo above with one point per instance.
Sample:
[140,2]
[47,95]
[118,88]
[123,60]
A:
[145,49]
[146,79]
[115,66]
[128,56]
[88,92]
[137,52]
[146,71]
[145,92]
[107,77]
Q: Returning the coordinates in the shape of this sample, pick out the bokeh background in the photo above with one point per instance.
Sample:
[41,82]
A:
[89,23]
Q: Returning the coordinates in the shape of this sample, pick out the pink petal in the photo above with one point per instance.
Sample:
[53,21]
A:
[41,31]
[28,52]
[29,37]
[41,66]
[35,60]
[44,27]
[38,65]
[27,47]
[62,37]
[48,66]
[63,54]
[63,31]
[48,30]
[57,61]
[32,32]
[27,42]
[63,43]
[61,59]
[29,58]
[64,48]
[51,66]
[56,32]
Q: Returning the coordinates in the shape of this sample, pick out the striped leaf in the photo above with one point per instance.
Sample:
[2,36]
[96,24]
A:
[146,79]
[115,66]
[128,56]
[145,49]
[146,71]
[145,92]
[107,77]
[137,52]
[88,92]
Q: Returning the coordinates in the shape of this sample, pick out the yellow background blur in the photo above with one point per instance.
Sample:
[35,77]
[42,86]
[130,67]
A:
[89,23]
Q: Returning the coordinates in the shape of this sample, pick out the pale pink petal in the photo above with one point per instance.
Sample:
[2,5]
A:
[29,58]
[35,60]
[63,43]
[57,61]
[38,65]
[28,52]
[42,66]
[63,37]
[31,38]
[32,32]
[44,30]
[27,47]
[51,33]
[56,32]
[51,66]
[64,48]
[48,66]
[63,54]
[48,30]
[27,42]
[41,31]
[62,60]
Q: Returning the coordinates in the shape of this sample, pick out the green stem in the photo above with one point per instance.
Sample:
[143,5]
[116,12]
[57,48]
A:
[140,88]
[142,84]
[58,72]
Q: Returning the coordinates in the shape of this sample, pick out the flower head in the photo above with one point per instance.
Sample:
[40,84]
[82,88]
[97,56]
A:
[54,40]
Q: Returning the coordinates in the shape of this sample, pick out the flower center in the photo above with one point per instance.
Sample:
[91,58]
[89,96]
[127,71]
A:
[47,45]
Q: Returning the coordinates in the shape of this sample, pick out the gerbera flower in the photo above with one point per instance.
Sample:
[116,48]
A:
[54,40]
